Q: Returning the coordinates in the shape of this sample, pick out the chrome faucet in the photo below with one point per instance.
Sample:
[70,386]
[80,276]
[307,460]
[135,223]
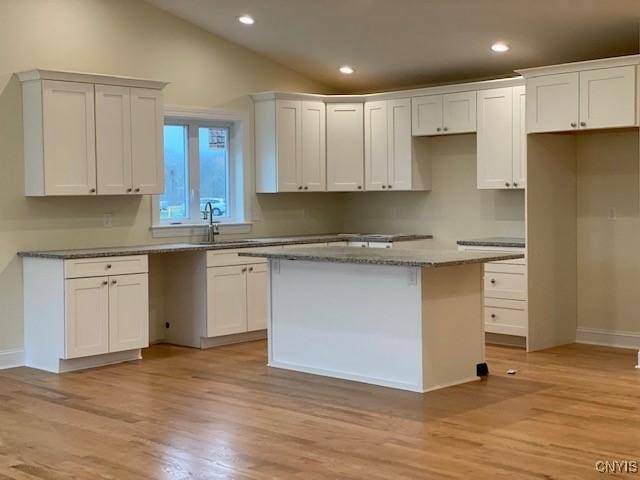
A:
[213,230]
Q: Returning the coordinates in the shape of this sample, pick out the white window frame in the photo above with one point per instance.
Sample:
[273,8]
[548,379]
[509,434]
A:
[239,144]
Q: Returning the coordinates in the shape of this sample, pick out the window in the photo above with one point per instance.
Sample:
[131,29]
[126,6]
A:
[197,173]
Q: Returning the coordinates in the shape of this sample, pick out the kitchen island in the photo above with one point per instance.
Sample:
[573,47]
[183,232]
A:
[407,319]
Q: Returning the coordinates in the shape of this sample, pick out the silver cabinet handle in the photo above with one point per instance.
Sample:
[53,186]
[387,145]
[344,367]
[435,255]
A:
[129,190]
[389,186]
[244,269]
[438,129]
[493,315]
[384,186]
[445,129]
[92,190]
[493,281]
[105,282]
[507,184]
[108,266]
[299,187]
[583,124]
[515,184]
[306,188]
[137,190]
[574,124]
[359,187]
[251,269]
[113,282]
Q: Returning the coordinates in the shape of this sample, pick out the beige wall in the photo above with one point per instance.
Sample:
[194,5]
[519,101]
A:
[608,254]
[454,210]
[132,38]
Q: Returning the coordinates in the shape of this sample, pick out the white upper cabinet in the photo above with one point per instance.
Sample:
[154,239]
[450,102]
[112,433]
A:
[314,158]
[113,144]
[582,96]
[607,97]
[500,152]
[147,155]
[552,103]
[345,147]
[63,144]
[87,134]
[390,160]
[444,114]
[290,146]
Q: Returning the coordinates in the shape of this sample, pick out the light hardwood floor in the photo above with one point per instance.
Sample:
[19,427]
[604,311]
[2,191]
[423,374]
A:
[221,413]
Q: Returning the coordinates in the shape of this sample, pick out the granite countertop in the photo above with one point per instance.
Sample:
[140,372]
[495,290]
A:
[506,242]
[383,256]
[219,245]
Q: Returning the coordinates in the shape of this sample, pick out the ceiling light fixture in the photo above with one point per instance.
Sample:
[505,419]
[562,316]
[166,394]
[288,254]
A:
[500,47]
[346,70]
[246,20]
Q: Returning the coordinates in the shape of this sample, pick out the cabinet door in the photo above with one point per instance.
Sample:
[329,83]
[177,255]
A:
[376,149]
[69,138]
[459,112]
[495,137]
[289,145]
[345,147]
[426,116]
[147,149]
[128,312]
[519,137]
[399,144]
[552,103]
[257,297]
[314,158]
[226,300]
[86,317]
[608,97]
[113,139]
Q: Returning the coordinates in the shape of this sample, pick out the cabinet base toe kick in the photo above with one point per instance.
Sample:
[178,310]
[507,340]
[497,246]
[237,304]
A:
[211,342]
[72,364]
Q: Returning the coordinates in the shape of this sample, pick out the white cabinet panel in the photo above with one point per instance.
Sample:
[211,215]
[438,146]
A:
[86,317]
[257,297]
[128,312]
[607,97]
[289,146]
[400,157]
[113,139]
[226,300]
[147,149]
[345,147]
[552,103]
[495,137]
[314,156]
[68,118]
[459,112]
[519,137]
[376,149]
[426,115]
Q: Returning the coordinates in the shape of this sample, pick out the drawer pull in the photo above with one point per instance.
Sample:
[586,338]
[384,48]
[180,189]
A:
[108,266]
[105,282]
[113,282]
[493,281]
[493,315]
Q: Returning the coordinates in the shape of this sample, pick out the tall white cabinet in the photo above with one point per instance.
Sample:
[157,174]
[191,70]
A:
[501,138]
[290,146]
[345,147]
[90,134]
[390,162]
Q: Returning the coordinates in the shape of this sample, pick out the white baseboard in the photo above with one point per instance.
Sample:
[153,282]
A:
[608,338]
[11,358]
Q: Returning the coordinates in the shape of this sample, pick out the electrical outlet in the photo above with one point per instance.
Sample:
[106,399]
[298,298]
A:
[107,220]
[612,214]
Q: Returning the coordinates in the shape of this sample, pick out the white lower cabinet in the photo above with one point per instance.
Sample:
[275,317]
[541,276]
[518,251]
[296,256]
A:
[236,299]
[75,320]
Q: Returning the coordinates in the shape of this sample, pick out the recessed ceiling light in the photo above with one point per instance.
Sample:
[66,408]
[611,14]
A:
[500,47]
[346,69]
[246,20]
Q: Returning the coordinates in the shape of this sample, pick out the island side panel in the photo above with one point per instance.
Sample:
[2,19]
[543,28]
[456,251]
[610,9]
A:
[452,325]
[350,321]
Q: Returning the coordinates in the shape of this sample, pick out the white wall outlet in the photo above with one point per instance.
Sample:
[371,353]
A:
[107,220]
[612,213]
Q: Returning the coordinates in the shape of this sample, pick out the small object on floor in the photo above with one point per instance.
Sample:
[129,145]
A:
[482,369]
[512,371]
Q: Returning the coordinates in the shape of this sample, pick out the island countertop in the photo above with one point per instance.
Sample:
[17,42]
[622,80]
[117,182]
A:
[219,245]
[504,242]
[384,256]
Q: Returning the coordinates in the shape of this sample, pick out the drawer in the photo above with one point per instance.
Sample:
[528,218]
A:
[505,268]
[505,321]
[505,285]
[357,244]
[222,258]
[96,267]
[380,244]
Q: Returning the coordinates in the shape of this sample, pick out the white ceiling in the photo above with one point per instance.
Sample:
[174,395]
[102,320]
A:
[399,43]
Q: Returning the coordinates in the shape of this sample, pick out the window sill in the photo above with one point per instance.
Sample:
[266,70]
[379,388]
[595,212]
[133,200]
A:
[195,229]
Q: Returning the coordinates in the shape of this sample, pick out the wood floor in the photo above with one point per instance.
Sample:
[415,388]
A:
[221,413]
